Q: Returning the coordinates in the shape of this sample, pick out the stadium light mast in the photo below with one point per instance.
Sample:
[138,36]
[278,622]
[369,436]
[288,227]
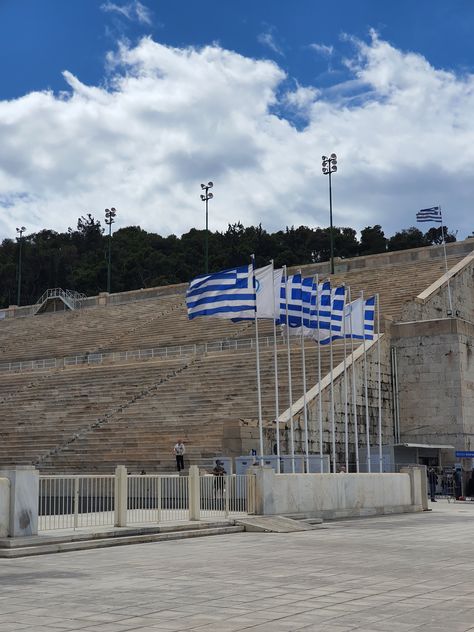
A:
[205,198]
[20,232]
[329,167]
[109,220]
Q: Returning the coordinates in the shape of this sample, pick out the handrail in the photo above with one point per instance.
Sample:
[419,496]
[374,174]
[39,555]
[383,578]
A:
[217,346]
[71,297]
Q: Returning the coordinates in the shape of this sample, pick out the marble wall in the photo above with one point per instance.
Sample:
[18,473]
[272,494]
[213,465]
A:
[335,495]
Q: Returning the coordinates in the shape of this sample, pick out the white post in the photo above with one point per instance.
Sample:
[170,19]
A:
[450,300]
[305,404]
[331,370]
[354,394]
[379,387]
[259,386]
[275,361]
[346,414]
[290,391]
[194,493]
[320,403]
[121,496]
[366,394]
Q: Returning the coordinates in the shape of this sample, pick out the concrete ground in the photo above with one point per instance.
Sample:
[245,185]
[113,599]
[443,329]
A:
[397,573]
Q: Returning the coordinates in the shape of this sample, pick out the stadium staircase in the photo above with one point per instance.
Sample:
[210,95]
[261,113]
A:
[89,418]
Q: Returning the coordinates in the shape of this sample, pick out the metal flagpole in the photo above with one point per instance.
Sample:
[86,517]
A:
[354,394]
[320,403]
[379,386]
[331,370]
[259,388]
[275,361]
[367,420]
[346,414]
[446,263]
[305,405]
[290,390]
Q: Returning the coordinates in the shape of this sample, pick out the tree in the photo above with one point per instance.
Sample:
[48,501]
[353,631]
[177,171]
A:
[407,238]
[372,240]
[434,236]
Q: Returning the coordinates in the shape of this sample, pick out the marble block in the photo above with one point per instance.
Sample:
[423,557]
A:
[24,499]
[4,507]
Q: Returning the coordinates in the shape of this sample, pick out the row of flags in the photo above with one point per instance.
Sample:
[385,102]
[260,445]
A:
[324,313]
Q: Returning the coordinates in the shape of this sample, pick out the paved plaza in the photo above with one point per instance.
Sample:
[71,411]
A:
[389,574]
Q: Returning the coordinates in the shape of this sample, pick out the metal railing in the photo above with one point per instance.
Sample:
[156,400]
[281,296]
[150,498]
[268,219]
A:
[72,298]
[72,502]
[217,346]
[100,500]
[157,498]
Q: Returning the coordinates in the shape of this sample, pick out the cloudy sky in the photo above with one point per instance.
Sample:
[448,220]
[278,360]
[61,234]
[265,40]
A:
[133,104]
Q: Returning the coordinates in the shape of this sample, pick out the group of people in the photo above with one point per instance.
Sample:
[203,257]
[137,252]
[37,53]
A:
[179,451]
[451,483]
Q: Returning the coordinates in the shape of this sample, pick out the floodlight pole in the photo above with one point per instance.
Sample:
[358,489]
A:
[329,166]
[20,232]
[205,198]
[109,220]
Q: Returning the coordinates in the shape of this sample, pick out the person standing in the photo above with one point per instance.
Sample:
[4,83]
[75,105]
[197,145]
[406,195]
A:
[179,452]
[432,481]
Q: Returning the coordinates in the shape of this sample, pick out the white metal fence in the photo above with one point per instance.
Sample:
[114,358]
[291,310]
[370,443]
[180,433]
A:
[72,502]
[91,501]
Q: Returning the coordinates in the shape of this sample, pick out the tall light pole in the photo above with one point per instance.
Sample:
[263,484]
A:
[109,220]
[205,198]
[329,167]
[20,232]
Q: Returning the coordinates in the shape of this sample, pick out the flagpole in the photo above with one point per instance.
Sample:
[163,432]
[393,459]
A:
[379,386]
[290,390]
[259,387]
[320,403]
[275,361]
[346,414]
[333,421]
[446,263]
[354,394]
[305,405]
[367,420]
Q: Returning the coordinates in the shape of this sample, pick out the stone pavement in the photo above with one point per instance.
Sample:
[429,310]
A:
[412,572]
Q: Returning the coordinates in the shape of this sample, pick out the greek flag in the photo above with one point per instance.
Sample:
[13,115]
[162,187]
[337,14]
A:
[432,214]
[337,300]
[293,283]
[359,319]
[226,294]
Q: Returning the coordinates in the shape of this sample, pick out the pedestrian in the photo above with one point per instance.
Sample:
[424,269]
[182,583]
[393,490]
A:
[432,482]
[179,452]
[219,473]
[470,486]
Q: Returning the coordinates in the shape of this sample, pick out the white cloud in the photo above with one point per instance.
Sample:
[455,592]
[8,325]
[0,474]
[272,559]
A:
[323,49]
[134,11]
[268,39]
[172,118]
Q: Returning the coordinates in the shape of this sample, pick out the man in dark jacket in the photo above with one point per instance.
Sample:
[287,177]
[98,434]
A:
[432,482]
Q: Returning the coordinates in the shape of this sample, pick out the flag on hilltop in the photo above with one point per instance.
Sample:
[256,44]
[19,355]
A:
[432,214]
[226,294]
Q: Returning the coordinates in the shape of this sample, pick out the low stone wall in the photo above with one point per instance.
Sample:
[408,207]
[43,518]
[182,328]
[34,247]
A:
[332,496]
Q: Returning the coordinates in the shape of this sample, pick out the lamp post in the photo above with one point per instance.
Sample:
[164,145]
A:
[109,220]
[205,198]
[20,232]
[329,167]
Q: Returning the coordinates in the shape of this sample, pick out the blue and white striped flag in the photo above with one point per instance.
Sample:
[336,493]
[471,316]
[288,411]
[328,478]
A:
[294,301]
[336,317]
[432,214]
[359,319]
[226,294]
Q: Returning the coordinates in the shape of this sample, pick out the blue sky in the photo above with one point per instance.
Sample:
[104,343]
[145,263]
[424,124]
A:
[249,94]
